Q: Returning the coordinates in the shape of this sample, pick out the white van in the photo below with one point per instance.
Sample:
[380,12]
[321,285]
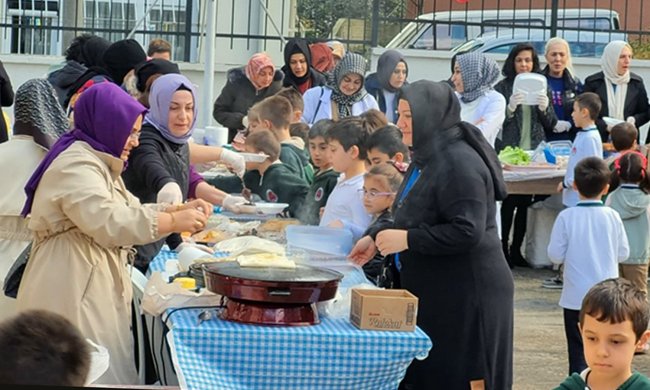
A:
[445,30]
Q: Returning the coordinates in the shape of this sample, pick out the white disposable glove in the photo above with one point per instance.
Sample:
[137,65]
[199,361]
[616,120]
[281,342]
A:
[515,100]
[170,193]
[631,120]
[234,160]
[562,127]
[231,202]
[184,245]
[542,101]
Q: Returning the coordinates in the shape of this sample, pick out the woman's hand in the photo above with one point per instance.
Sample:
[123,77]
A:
[363,251]
[392,241]
[198,204]
[188,220]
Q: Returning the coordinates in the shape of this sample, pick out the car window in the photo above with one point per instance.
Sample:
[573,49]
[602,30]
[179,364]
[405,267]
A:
[491,25]
[448,35]
[586,23]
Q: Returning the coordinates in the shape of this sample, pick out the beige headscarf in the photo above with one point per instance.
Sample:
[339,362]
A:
[609,64]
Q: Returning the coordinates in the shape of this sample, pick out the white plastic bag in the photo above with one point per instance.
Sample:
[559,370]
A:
[160,296]
[339,307]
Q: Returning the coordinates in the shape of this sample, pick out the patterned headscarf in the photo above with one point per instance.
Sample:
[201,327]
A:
[38,113]
[160,98]
[479,73]
[103,117]
[351,63]
[255,65]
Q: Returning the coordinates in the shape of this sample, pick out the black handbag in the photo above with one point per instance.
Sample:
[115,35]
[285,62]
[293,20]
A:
[15,274]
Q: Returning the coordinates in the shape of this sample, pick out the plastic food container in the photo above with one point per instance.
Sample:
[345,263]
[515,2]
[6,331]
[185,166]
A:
[270,208]
[320,239]
[531,85]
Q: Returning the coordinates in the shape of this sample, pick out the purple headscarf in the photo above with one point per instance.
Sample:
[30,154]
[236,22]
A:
[103,117]
[160,98]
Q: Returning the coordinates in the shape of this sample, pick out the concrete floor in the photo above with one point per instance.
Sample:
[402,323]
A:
[540,346]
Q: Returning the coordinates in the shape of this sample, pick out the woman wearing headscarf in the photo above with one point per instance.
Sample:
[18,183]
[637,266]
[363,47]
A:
[244,87]
[385,84]
[147,72]
[84,222]
[525,126]
[446,246]
[39,121]
[298,70]
[474,77]
[321,57]
[344,94]
[622,92]
[160,166]
[564,86]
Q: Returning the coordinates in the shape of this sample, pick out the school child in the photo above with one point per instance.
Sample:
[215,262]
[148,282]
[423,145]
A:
[272,180]
[299,132]
[613,324]
[587,142]
[380,185]
[347,141]
[325,176]
[385,144]
[631,201]
[590,241]
[297,104]
[624,138]
[274,114]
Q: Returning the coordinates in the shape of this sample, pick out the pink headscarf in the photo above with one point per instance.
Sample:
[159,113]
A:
[255,65]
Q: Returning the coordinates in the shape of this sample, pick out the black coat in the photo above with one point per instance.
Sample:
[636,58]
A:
[6,100]
[636,101]
[572,88]
[454,264]
[542,123]
[237,96]
[154,163]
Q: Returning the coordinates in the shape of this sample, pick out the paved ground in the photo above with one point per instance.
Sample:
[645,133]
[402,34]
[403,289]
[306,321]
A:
[540,347]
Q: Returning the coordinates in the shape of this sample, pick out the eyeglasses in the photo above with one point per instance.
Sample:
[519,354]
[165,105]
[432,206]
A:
[134,136]
[373,194]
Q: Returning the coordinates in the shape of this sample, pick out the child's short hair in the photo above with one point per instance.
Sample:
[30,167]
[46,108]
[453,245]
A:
[591,176]
[623,136]
[388,170]
[349,132]
[300,130]
[159,46]
[388,140]
[591,102]
[42,348]
[264,141]
[320,128]
[631,167]
[294,97]
[374,119]
[275,109]
[617,300]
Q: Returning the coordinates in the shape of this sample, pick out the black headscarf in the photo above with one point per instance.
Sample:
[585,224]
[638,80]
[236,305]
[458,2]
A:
[92,51]
[121,57]
[37,113]
[296,46]
[152,67]
[436,123]
[386,65]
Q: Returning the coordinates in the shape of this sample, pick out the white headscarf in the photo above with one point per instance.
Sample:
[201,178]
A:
[609,64]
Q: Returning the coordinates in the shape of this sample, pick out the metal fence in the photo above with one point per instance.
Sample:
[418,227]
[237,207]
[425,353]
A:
[47,26]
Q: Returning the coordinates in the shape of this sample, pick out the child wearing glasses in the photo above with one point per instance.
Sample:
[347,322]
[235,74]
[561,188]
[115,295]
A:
[380,185]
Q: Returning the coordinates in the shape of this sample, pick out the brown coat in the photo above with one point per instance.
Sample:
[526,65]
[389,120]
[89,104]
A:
[84,223]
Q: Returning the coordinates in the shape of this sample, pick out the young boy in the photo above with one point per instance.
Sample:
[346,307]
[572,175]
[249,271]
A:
[40,347]
[586,144]
[344,209]
[271,179]
[590,241]
[613,324]
[324,178]
[385,145]
[297,104]
[274,114]
[624,139]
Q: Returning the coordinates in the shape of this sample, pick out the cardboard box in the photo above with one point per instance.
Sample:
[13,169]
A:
[383,309]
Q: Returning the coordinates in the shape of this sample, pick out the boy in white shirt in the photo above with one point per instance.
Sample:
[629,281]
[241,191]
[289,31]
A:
[590,241]
[586,144]
[344,208]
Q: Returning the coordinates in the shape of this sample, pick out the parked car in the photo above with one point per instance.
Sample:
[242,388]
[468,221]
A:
[445,30]
[582,43]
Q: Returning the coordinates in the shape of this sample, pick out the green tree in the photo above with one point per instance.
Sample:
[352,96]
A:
[321,15]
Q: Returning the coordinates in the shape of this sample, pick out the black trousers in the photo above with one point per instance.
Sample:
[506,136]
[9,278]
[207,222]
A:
[577,362]
[508,207]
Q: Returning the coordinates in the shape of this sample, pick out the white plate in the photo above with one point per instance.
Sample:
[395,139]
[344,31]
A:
[531,85]
[270,208]
[612,121]
[254,157]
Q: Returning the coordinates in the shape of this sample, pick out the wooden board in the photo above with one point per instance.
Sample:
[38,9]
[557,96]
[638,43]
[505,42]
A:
[534,187]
